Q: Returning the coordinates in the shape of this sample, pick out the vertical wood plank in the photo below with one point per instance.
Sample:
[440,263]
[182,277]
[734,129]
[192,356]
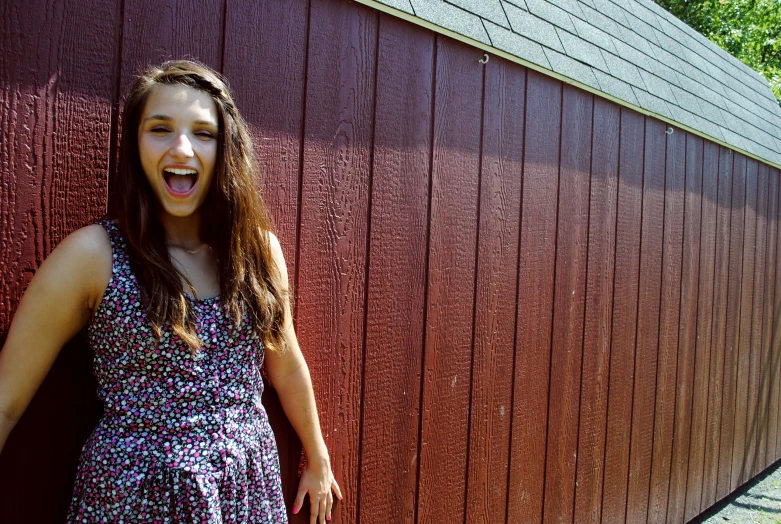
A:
[687,338]
[397,279]
[731,346]
[269,95]
[598,313]
[494,346]
[647,322]
[669,317]
[767,323]
[707,255]
[743,349]
[55,108]
[774,355]
[333,233]
[568,305]
[776,335]
[756,421]
[58,82]
[535,298]
[719,333]
[624,323]
[158,30]
[451,281]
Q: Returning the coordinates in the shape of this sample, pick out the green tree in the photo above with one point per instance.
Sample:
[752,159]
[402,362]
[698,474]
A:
[750,30]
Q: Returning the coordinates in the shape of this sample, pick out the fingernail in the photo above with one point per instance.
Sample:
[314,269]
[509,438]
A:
[329,517]
[295,511]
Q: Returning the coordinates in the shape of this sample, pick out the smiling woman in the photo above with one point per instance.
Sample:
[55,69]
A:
[178,147]
[184,293]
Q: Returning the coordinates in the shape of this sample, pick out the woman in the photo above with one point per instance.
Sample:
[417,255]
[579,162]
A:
[183,294]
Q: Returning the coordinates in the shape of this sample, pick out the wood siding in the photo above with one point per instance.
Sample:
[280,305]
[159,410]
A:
[519,302]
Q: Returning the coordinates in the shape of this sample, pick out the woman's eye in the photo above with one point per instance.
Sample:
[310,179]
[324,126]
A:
[205,134]
[159,130]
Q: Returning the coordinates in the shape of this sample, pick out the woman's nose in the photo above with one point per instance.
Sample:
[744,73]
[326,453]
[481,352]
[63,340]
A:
[182,147]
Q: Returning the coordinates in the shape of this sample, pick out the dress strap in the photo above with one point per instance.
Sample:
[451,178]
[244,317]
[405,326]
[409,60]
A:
[115,235]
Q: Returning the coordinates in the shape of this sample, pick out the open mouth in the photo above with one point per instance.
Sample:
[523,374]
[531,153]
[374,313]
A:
[180,181]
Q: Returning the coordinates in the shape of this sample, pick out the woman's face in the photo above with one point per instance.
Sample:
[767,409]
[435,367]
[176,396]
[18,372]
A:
[177,143]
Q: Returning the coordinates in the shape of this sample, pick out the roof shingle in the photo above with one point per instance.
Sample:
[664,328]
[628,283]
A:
[632,50]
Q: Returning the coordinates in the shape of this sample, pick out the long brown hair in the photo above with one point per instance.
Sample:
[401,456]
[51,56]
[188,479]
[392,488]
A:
[234,222]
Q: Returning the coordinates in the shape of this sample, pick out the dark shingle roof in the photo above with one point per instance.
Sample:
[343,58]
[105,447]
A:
[632,50]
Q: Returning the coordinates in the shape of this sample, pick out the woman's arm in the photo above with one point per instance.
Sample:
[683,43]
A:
[289,375]
[56,305]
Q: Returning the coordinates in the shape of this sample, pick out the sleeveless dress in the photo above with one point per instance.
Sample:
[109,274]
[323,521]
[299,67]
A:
[183,438]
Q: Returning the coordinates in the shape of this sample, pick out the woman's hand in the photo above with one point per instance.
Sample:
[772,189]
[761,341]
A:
[289,374]
[319,483]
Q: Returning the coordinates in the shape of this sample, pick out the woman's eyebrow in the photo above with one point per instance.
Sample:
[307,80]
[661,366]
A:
[157,117]
[168,119]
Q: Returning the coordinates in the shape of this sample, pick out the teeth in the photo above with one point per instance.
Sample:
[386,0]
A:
[177,171]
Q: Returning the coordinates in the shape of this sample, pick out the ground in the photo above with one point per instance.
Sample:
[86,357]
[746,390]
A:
[758,502]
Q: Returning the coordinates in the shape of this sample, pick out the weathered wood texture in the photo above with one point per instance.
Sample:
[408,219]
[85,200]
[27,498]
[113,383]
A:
[495,307]
[332,250]
[599,312]
[568,305]
[270,96]
[732,344]
[624,325]
[776,320]
[519,302]
[770,319]
[453,240]
[648,309]
[56,112]
[669,322]
[755,452]
[719,333]
[740,440]
[397,276]
[703,346]
[687,338]
[535,298]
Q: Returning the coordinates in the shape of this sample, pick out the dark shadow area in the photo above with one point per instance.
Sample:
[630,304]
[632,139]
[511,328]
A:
[758,420]
[762,497]
[713,510]
[39,461]
[756,507]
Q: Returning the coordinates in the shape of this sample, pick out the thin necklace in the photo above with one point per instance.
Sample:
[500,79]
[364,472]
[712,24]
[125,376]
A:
[190,251]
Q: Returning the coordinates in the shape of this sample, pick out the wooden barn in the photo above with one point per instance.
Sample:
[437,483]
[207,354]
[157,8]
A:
[533,243]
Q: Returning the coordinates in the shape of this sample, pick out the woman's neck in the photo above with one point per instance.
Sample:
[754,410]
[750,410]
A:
[184,232]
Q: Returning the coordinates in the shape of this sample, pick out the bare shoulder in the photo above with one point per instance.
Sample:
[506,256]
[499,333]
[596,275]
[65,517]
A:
[274,245]
[90,245]
[92,239]
[272,240]
[85,257]
[276,253]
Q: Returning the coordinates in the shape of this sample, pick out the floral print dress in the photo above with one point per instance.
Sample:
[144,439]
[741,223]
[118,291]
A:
[183,438]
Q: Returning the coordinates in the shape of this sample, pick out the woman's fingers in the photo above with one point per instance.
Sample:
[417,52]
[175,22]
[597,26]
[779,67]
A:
[317,514]
[335,487]
[329,504]
[314,510]
[299,501]
[323,508]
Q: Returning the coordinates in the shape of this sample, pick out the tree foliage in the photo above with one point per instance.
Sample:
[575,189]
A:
[750,30]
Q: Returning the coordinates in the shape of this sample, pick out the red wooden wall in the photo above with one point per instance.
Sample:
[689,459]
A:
[519,302]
